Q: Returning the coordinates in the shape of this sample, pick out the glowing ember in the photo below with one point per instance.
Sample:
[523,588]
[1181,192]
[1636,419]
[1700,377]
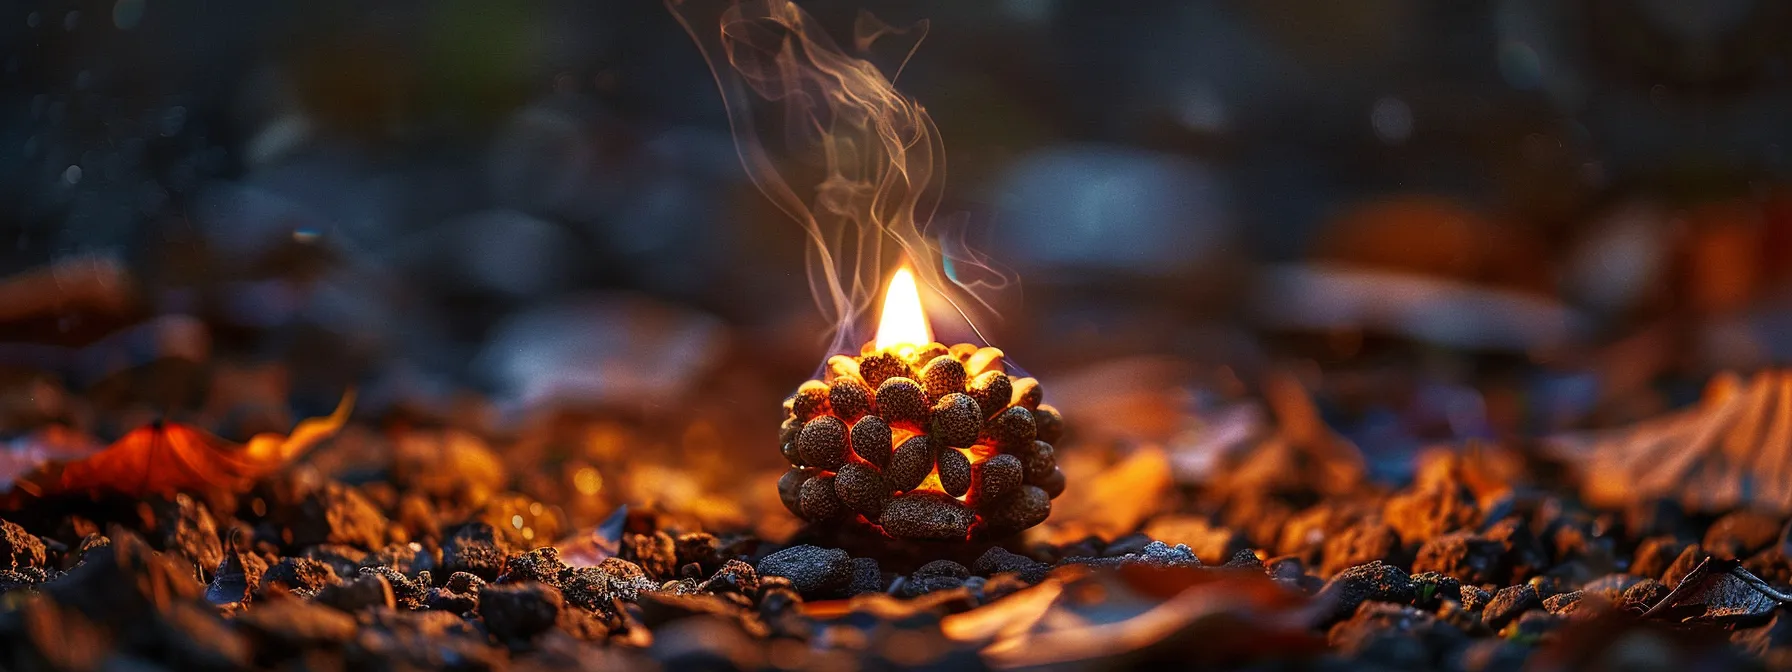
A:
[903,323]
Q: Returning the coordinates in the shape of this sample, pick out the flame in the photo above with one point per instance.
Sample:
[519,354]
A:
[903,323]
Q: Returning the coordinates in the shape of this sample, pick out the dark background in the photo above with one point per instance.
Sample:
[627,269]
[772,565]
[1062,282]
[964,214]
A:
[540,201]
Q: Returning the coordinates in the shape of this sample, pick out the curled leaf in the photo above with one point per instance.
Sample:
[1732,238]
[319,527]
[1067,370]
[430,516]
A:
[1719,590]
[164,458]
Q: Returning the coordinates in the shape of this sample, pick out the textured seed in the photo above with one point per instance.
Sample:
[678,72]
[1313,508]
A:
[879,367]
[1049,422]
[1027,393]
[871,439]
[994,478]
[900,401]
[942,376]
[992,390]
[790,487]
[1025,508]
[819,501]
[1040,462]
[842,366]
[850,398]
[926,515]
[822,443]
[811,400]
[1011,430]
[956,420]
[985,359]
[955,471]
[1053,485]
[910,464]
[862,488]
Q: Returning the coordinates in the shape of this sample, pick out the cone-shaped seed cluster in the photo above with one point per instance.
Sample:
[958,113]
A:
[925,443]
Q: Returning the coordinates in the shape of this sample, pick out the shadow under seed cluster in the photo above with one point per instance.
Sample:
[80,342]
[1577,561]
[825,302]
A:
[923,443]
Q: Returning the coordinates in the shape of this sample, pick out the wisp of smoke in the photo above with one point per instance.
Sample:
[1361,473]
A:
[810,120]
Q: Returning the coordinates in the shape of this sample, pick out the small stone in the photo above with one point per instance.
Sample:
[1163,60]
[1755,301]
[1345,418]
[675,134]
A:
[364,591]
[994,478]
[850,398]
[956,420]
[1558,604]
[943,568]
[1431,588]
[902,402]
[1028,393]
[955,471]
[997,560]
[942,376]
[1508,604]
[519,612]
[822,443]
[1053,485]
[910,464]
[926,515]
[791,454]
[1419,515]
[813,572]
[810,400]
[655,553]
[1462,555]
[734,576]
[863,489]
[538,564]
[298,575]
[873,441]
[1011,430]
[866,577]
[475,549]
[1360,544]
[819,502]
[1026,507]
[409,594]
[985,360]
[882,366]
[790,488]
[1363,583]
[1475,599]
[20,549]
[1655,554]
[1049,422]
[992,390]
[788,429]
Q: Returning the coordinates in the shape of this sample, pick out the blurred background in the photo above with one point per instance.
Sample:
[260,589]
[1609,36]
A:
[1452,221]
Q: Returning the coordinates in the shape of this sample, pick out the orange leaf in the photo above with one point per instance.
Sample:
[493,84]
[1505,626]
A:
[165,458]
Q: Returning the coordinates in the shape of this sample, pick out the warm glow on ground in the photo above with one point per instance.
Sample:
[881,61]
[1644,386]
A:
[903,322]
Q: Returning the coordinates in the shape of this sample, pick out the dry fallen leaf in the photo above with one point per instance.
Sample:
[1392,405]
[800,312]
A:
[164,458]
[1719,590]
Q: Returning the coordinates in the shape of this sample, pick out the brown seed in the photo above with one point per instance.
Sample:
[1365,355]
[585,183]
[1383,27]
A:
[879,367]
[1040,462]
[926,515]
[1027,393]
[942,376]
[1011,430]
[1053,485]
[927,353]
[1025,508]
[871,439]
[810,400]
[994,478]
[901,401]
[910,464]
[963,351]
[956,420]
[955,471]
[850,398]
[790,487]
[842,366]
[792,455]
[822,443]
[1049,422]
[787,431]
[985,359]
[819,501]
[862,488]
[992,390]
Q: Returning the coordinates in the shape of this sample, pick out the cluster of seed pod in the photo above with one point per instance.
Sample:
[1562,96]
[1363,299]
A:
[923,442]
